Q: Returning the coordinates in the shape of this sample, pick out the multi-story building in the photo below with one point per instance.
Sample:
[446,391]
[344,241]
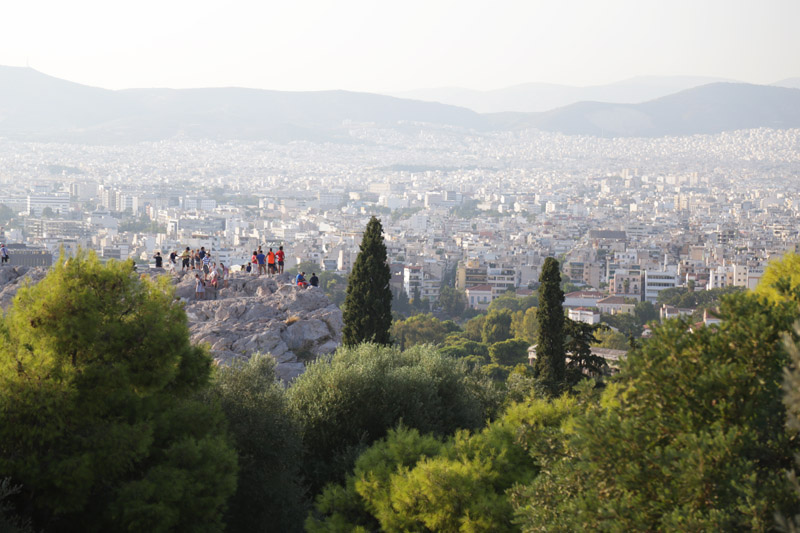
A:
[57,203]
[657,281]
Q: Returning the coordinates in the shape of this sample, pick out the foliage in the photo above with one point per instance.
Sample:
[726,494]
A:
[685,299]
[413,482]
[452,301]
[510,352]
[513,303]
[352,400]
[791,400]
[473,329]
[550,356]
[608,338]
[269,495]
[367,311]
[582,362]
[10,522]
[98,417]
[781,276]
[645,312]
[689,438]
[460,347]
[496,326]
[421,329]
[624,322]
[524,325]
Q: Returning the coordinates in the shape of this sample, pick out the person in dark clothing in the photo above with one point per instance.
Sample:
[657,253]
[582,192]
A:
[314,280]
[159,260]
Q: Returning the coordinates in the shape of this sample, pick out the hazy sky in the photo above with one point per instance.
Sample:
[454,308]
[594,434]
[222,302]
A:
[374,45]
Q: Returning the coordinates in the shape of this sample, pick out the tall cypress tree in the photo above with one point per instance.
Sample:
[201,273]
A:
[368,304]
[550,355]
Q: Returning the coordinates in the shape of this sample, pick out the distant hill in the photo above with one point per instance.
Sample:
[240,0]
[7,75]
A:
[792,83]
[36,106]
[537,97]
[711,108]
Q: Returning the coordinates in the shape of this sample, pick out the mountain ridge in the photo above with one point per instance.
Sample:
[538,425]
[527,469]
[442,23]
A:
[35,106]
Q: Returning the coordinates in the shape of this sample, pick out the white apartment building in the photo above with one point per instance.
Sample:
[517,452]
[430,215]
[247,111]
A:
[58,203]
[656,281]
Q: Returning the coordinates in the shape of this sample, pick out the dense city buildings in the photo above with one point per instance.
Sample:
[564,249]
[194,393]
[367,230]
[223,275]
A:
[627,218]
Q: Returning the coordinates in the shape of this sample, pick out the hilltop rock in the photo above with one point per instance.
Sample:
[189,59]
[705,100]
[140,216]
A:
[12,278]
[266,315]
[251,315]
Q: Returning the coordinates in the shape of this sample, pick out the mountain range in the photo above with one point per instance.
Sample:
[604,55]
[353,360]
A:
[35,106]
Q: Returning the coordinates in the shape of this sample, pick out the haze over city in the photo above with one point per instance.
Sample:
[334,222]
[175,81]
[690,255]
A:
[379,47]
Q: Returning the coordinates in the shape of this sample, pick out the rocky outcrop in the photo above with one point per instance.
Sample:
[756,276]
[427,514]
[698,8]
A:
[252,315]
[12,278]
[266,315]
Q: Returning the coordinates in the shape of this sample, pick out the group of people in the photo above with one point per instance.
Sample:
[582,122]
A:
[300,280]
[270,263]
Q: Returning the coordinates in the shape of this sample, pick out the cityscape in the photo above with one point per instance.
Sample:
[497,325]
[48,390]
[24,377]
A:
[627,217]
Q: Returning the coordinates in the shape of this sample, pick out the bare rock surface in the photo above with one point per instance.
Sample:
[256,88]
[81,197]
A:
[262,315]
[251,315]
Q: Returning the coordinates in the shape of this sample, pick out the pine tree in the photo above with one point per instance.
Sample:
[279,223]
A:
[550,356]
[368,304]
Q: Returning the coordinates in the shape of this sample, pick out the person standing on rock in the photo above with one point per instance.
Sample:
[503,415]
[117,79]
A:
[262,262]
[199,288]
[3,254]
[173,261]
[185,259]
[271,262]
[224,274]
[206,264]
[280,256]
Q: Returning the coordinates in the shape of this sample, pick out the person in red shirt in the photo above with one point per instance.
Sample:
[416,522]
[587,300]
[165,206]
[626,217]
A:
[280,256]
[271,262]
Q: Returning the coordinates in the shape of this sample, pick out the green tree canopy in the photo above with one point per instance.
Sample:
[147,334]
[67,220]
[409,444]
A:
[421,329]
[98,417]
[269,493]
[691,437]
[496,326]
[453,302]
[352,400]
[367,311]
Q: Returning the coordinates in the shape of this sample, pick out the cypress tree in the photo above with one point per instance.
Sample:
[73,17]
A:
[368,305]
[550,356]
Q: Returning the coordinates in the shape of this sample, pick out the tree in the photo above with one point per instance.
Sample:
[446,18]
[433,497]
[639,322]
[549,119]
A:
[525,325]
[350,401]
[452,301]
[645,312]
[367,311]
[582,362]
[690,437]
[413,482]
[781,277]
[421,329]
[550,356]
[269,493]
[99,420]
[473,329]
[608,338]
[496,327]
[510,352]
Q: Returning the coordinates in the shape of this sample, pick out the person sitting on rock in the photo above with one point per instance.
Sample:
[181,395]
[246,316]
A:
[314,280]
[159,260]
[300,280]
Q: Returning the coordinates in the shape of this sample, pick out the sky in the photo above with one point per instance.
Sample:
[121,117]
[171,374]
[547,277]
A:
[380,46]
